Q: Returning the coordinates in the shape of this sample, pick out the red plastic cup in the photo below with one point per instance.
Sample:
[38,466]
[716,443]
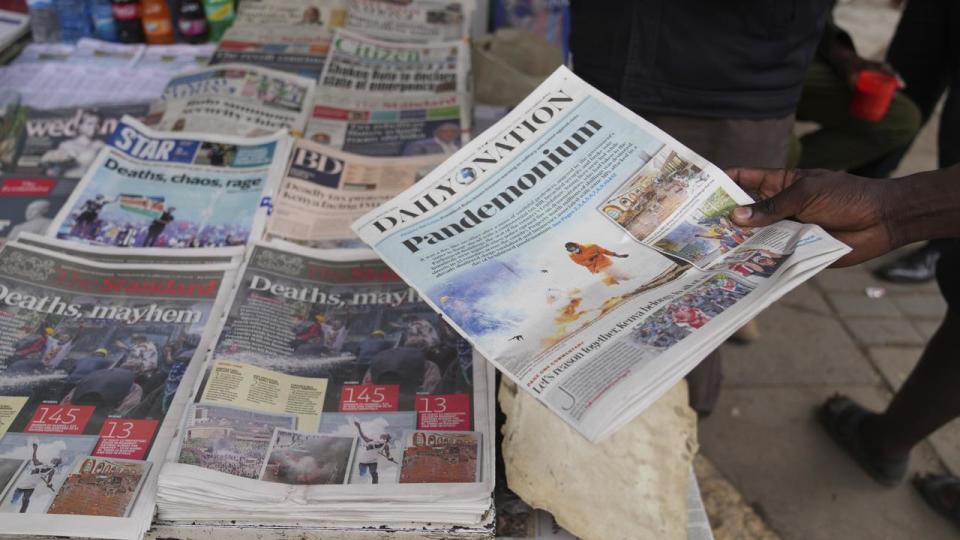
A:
[872,94]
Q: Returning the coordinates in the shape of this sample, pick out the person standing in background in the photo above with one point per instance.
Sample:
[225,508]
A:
[722,78]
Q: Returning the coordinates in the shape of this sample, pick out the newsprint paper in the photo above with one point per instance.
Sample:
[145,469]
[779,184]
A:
[234,99]
[588,254]
[325,189]
[392,99]
[162,190]
[97,360]
[332,384]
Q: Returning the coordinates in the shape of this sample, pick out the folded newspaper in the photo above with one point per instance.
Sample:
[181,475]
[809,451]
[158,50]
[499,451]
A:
[410,22]
[324,190]
[587,254]
[234,99]
[98,357]
[167,190]
[392,99]
[334,395]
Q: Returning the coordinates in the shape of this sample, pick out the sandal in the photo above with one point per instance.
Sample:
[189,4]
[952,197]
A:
[841,418]
[931,488]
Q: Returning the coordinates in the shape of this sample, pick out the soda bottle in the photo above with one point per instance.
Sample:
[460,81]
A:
[104,27]
[74,20]
[156,22]
[127,15]
[44,24]
[191,21]
[219,17]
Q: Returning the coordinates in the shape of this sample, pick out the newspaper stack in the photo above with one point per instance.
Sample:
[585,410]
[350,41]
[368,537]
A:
[588,254]
[334,396]
[98,355]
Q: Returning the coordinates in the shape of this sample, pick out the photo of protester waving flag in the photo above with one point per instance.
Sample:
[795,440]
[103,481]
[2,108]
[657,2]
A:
[170,190]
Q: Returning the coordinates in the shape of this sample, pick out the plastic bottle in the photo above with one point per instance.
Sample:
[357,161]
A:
[104,27]
[127,15]
[219,17]
[191,21]
[74,20]
[44,24]
[157,25]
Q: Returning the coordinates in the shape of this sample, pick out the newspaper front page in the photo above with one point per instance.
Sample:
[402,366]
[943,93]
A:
[391,99]
[324,190]
[307,13]
[587,253]
[301,50]
[97,361]
[234,99]
[43,154]
[151,189]
[415,22]
[331,374]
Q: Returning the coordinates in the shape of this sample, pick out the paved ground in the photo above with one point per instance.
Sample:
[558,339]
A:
[827,336]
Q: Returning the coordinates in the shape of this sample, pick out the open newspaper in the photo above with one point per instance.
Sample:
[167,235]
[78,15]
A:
[588,254]
[324,190]
[170,190]
[301,50]
[234,99]
[43,155]
[97,362]
[334,394]
[392,99]
[308,13]
[412,22]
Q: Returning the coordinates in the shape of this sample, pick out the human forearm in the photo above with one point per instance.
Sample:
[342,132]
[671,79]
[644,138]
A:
[924,206]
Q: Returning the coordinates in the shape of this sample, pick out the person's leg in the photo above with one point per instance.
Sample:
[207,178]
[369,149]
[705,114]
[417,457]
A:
[926,401]
[374,476]
[25,500]
[844,141]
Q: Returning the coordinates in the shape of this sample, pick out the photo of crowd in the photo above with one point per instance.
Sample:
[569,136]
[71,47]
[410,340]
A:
[124,370]
[690,312]
[757,262]
[231,440]
[708,234]
[440,457]
[406,344]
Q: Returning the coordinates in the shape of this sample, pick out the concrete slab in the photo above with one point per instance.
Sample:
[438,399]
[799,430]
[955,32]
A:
[858,304]
[767,442]
[921,305]
[797,348]
[926,328]
[857,279]
[872,332]
[894,363]
[806,298]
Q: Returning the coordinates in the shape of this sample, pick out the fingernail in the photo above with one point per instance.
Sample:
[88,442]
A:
[743,213]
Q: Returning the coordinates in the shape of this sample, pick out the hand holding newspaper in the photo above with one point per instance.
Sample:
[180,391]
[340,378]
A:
[587,254]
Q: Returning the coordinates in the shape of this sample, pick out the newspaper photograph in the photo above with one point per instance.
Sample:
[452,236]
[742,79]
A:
[152,189]
[45,152]
[234,99]
[326,360]
[324,190]
[309,13]
[578,247]
[301,50]
[97,362]
[414,22]
[391,99]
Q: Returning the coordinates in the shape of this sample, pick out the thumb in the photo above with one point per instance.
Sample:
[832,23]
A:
[783,205]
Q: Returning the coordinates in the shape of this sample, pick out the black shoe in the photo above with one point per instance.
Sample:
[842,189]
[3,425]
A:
[919,266]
